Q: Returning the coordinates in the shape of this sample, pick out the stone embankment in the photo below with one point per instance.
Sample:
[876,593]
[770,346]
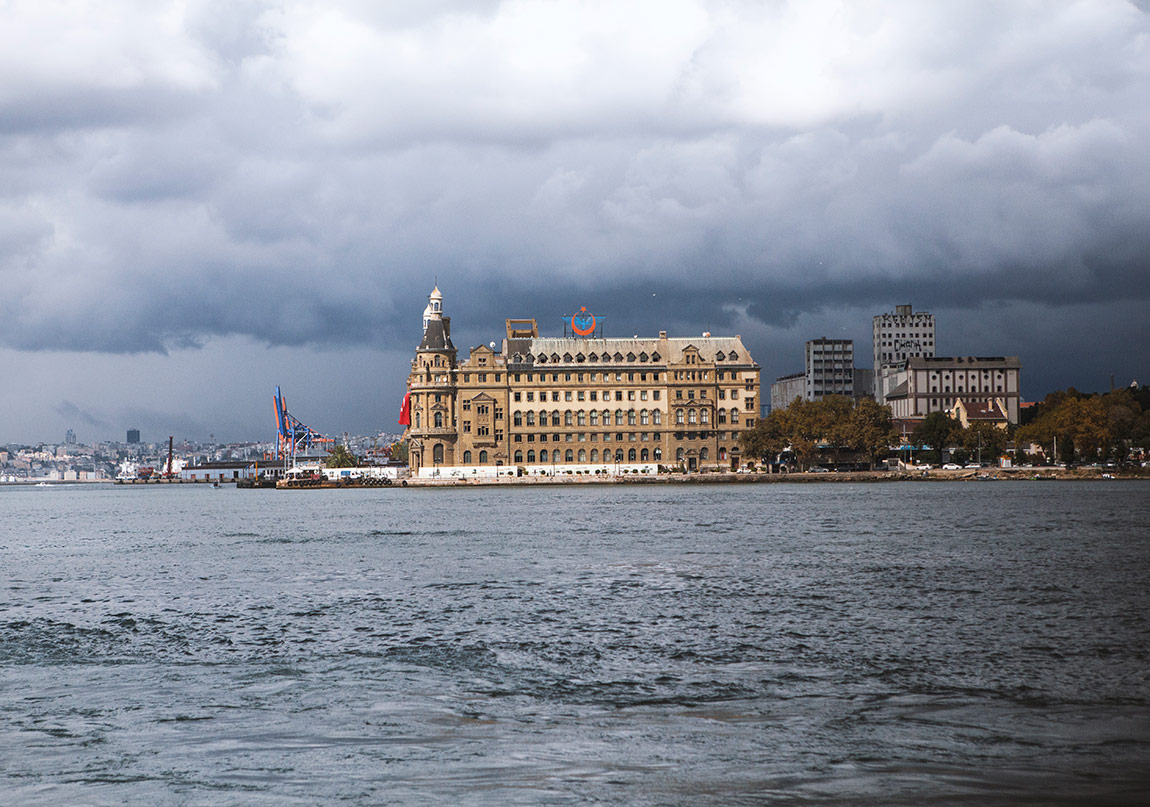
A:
[932,475]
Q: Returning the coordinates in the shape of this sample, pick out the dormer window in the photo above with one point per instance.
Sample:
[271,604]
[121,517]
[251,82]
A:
[655,356]
[542,359]
[555,358]
[630,357]
[643,357]
[618,357]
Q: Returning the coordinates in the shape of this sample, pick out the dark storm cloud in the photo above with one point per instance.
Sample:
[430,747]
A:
[69,410]
[300,173]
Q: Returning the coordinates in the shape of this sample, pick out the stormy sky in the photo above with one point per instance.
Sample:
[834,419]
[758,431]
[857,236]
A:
[201,200]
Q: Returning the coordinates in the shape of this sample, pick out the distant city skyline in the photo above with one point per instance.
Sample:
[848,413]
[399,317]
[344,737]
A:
[200,202]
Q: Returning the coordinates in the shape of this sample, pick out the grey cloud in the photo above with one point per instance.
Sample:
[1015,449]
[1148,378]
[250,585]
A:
[71,412]
[283,176]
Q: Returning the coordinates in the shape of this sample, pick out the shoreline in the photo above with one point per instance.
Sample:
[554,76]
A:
[807,477]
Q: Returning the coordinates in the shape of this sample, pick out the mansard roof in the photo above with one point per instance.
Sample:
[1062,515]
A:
[437,335]
[669,351]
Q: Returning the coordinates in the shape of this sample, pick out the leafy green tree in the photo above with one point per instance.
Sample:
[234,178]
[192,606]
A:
[937,430]
[985,436]
[341,457]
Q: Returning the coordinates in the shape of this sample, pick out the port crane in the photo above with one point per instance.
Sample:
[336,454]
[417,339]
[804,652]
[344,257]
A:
[293,435]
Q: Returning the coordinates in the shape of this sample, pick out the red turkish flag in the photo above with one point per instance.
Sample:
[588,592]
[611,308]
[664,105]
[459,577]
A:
[405,410]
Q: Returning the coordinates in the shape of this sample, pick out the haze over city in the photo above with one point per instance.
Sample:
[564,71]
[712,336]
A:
[202,200]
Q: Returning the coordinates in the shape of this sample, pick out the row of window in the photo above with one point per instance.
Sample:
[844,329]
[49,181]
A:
[581,417]
[584,456]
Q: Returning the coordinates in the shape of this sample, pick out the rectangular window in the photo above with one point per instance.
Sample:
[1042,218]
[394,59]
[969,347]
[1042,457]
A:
[567,395]
[594,395]
[467,427]
[466,378]
[655,394]
[581,395]
[643,395]
[630,395]
[482,378]
[530,396]
[498,413]
[555,395]
[467,406]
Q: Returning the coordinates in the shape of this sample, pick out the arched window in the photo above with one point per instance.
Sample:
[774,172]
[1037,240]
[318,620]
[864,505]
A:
[679,417]
[722,416]
[582,455]
[630,417]
[658,453]
[519,457]
[482,457]
[518,418]
[594,455]
[568,418]
[691,417]
[644,418]
[543,455]
[618,455]
[594,417]
[722,453]
[466,457]
[555,418]
[704,416]
[439,420]
[703,454]
[417,419]
[631,455]
[644,455]
[734,415]
[658,417]
[606,418]
[618,417]
[581,418]
[530,418]
[570,456]
[531,456]
[678,455]
[437,454]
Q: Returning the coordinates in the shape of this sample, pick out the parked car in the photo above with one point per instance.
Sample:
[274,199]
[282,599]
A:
[952,466]
[819,470]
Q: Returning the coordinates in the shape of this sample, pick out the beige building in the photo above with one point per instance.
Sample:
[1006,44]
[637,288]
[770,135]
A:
[554,405]
[925,384]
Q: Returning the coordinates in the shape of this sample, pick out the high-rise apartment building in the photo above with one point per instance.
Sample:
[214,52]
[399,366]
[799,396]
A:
[897,337]
[830,367]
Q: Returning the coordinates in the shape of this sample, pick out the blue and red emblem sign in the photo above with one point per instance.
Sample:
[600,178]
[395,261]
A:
[583,323]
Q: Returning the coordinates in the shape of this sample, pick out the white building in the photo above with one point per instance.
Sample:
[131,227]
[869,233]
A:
[898,337]
[925,384]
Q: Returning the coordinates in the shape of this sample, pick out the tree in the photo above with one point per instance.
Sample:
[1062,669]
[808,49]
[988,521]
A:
[768,438]
[398,451]
[341,457]
[871,429]
[937,430]
[982,438]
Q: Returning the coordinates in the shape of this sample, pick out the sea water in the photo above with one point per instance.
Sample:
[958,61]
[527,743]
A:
[905,643]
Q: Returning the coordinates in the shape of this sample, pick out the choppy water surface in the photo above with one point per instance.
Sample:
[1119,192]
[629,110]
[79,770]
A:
[808,644]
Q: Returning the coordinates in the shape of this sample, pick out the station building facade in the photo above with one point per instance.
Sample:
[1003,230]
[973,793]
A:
[574,403]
